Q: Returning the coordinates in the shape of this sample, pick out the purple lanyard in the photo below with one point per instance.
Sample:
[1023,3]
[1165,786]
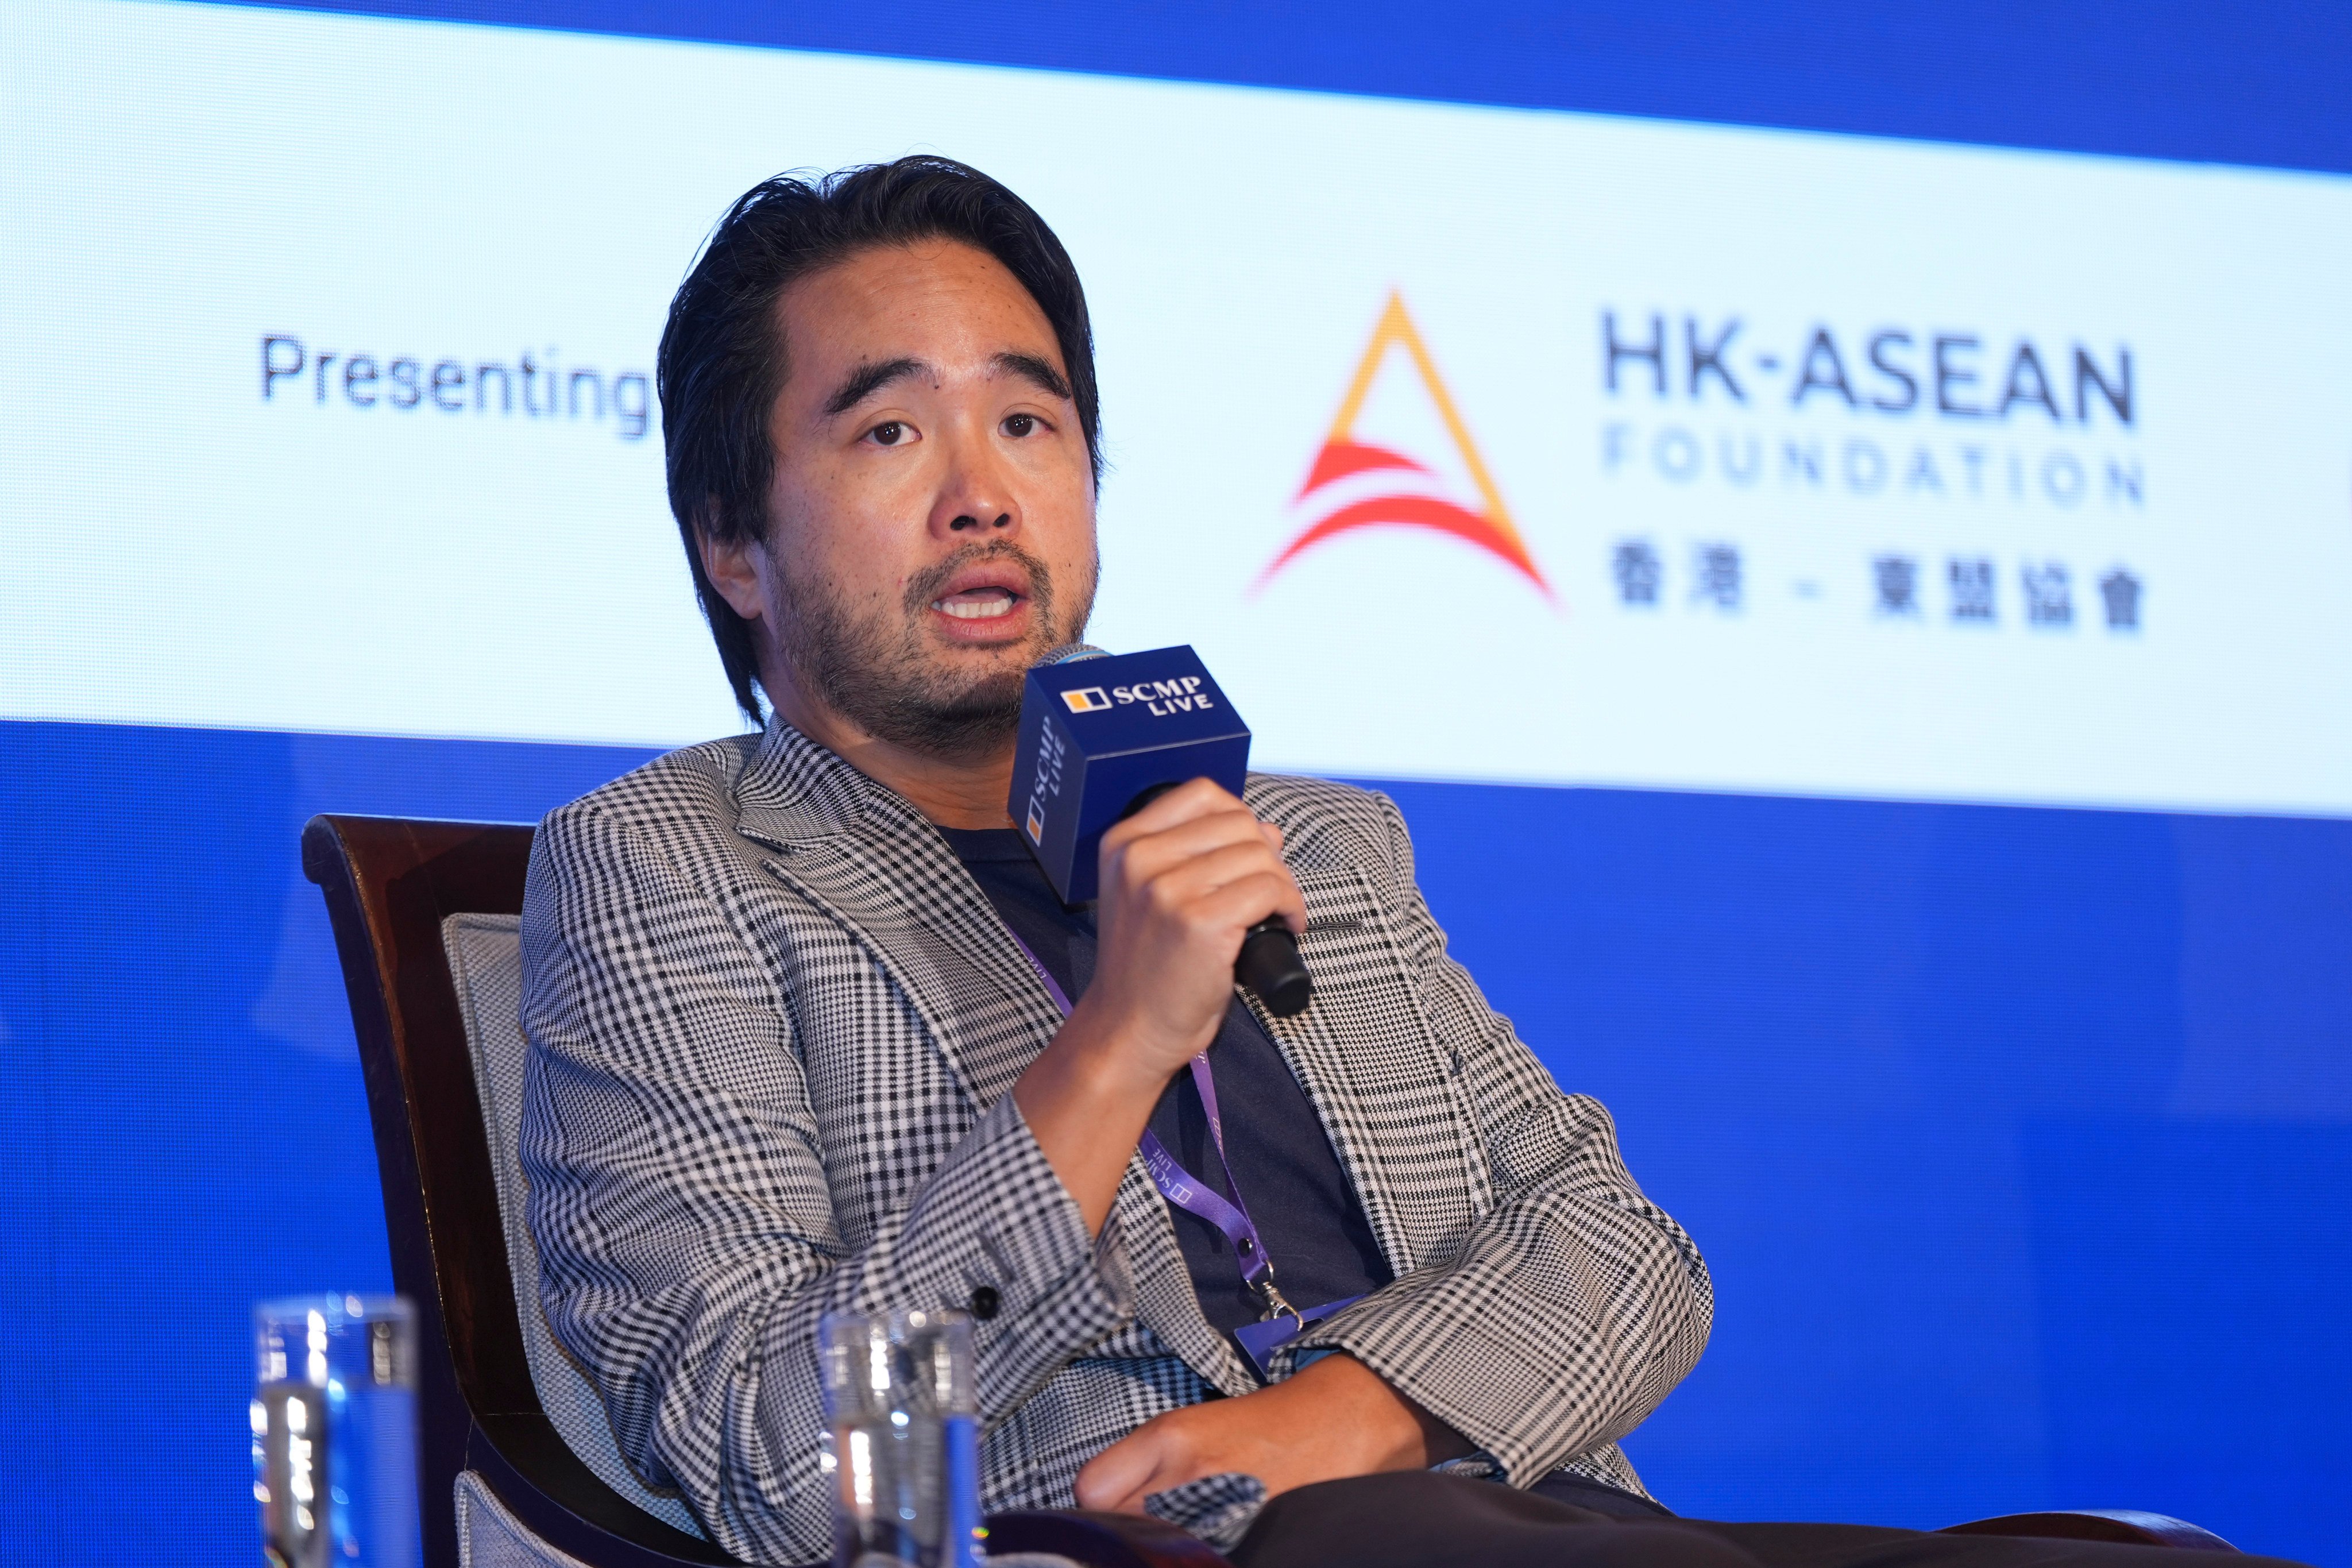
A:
[1187,1191]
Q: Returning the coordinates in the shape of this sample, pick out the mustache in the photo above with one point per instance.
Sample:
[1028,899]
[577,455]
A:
[928,584]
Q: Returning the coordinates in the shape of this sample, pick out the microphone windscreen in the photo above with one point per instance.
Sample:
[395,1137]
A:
[1070,653]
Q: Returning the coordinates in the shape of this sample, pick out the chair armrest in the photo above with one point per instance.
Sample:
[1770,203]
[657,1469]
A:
[526,1464]
[2124,1524]
[549,1490]
[1101,1539]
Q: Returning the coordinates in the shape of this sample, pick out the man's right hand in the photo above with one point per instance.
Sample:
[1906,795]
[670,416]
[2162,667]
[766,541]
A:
[1182,882]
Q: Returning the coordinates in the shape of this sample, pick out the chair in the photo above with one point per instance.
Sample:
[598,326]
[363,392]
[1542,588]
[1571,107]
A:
[425,916]
[510,1430]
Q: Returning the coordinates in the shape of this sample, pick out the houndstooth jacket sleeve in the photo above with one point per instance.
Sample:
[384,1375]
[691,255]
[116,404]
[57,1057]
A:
[1557,1317]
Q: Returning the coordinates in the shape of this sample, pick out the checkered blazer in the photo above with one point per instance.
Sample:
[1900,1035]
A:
[773,1023]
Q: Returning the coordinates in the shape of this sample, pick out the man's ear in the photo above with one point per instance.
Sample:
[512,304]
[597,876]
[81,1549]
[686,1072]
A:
[733,567]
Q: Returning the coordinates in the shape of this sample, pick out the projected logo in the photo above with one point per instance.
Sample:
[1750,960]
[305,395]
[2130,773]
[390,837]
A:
[1427,477]
[1950,426]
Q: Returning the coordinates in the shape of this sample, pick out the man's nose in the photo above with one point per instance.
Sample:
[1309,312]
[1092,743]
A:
[977,502]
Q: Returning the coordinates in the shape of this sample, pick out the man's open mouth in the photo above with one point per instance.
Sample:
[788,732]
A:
[978,603]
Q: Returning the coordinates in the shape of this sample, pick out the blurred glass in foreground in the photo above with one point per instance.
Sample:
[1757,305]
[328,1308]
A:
[335,1432]
[902,1443]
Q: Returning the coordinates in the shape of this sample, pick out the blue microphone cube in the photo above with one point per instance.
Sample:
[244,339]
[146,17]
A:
[1096,734]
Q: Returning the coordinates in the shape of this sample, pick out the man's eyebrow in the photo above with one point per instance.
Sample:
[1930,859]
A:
[868,379]
[1030,368]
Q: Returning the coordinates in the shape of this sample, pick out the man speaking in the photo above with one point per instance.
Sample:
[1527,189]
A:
[795,1045]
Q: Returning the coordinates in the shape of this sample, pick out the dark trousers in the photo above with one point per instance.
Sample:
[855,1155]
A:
[1416,1519]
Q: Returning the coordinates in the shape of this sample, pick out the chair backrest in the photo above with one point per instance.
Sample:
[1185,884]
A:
[486,966]
[391,885]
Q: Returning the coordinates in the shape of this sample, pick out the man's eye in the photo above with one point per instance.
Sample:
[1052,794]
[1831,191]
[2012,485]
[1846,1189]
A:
[889,432]
[1019,423]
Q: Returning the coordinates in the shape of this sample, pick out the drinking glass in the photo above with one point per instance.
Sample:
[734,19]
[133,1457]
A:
[335,1431]
[902,1442]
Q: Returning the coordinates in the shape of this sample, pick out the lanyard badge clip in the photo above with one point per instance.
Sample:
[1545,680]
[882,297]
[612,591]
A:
[1276,1306]
[1282,1324]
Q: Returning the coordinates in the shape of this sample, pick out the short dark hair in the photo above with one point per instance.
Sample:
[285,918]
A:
[722,354]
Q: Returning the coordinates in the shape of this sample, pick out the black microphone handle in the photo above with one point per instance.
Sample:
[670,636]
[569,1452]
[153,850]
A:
[1269,963]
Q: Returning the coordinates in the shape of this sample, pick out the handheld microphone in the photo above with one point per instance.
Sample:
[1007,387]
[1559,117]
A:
[1102,736]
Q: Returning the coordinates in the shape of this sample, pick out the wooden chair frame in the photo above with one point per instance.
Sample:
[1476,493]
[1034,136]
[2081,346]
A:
[389,883]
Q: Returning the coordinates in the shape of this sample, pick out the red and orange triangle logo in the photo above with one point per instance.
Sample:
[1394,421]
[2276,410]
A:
[1336,501]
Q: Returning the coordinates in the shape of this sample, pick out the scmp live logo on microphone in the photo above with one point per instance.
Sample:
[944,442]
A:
[1159,698]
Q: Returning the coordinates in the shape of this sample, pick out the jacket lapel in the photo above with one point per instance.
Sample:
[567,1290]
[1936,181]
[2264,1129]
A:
[872,863]
[1373,1066]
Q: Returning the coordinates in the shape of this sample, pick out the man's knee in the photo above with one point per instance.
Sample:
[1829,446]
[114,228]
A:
[1416,1519]
[1644,1543]
[1793,1545]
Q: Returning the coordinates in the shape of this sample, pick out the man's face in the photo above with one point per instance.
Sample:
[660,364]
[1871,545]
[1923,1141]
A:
[932,522]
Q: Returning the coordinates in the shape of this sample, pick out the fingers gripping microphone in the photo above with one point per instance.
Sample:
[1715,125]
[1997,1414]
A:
[1268,963]
[1102,736]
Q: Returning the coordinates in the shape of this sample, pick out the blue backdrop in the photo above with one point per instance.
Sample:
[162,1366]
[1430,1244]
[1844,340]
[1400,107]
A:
[2019,1141]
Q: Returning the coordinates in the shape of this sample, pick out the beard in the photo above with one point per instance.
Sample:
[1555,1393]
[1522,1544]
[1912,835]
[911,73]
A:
[881,671]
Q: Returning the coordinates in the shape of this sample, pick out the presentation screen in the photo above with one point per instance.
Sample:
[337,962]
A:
[1508,446]
[1856,625]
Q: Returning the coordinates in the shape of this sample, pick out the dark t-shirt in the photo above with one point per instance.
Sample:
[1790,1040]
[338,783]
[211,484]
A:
[1290,1177]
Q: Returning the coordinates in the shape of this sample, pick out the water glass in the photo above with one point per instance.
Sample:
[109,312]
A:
[335,1432]
[902,1442]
